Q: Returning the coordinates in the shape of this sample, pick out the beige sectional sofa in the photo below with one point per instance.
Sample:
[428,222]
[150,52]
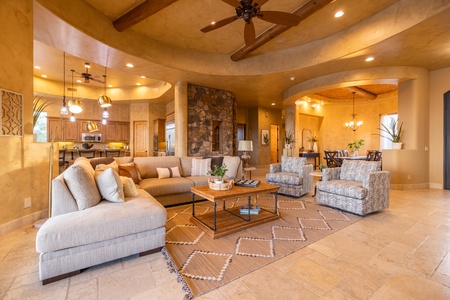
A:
[85,230]
[177,190]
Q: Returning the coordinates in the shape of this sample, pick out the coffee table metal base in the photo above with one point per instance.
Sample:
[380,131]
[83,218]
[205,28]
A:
[227,221]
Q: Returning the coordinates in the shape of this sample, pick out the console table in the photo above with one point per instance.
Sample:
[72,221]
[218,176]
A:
[314,155]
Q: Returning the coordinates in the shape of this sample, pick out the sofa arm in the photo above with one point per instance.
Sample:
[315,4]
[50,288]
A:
[377,179]
[331,174]
[275,168]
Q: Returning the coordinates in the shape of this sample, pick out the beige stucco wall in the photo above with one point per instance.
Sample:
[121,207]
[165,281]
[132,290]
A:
[24,171]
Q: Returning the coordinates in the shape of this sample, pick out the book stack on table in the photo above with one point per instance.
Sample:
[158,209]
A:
[254,210]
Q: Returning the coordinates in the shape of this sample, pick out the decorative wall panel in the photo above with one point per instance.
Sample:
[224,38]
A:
[12,113]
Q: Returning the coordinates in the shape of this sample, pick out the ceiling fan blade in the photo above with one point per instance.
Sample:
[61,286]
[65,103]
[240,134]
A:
[249,33]
[261,2]
[280,18]
[233,3]
[219,24]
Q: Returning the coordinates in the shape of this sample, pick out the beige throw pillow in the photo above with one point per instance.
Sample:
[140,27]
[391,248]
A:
[129,187]
[232,163]
[200,167]
[110,185]
[80,180]
[130,170]
[102,167]
[168,172]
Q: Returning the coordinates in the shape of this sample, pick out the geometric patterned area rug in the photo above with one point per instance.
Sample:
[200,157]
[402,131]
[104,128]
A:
[204,264]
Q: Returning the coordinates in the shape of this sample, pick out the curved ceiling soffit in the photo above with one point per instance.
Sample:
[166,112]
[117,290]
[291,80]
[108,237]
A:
[382,75]
[401,16]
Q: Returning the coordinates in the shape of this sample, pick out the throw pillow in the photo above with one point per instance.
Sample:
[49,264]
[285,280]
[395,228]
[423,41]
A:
[130,170]
[80,180]
[110,185]
[129,187]
[168,172]
[103,167]
[232,163]
[200,167]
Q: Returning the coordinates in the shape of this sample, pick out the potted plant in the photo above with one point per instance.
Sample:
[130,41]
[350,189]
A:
[322,166]
[219,172]
[355,145]
[393,133]
[289,138]
[314,140]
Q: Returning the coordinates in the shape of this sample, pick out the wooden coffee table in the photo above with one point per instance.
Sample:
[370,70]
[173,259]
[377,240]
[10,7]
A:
[227,221]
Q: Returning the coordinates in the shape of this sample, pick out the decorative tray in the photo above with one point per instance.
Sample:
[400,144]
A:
[226,185]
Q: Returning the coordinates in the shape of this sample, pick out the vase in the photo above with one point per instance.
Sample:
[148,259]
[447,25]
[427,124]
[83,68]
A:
[315,149]
[355,153]
[218,181]
[397,145]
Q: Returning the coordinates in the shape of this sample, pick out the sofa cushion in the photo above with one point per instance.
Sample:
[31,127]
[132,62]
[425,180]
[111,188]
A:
[130,170]
[110,220]
[357,170]
[110,185]
[79,177]
[157,187]
[232,163]
[200,167]
[285,178]
[168,172]
[199,180]
[186,165]
[123,159]
[147,165]
[129,187]
[346,188]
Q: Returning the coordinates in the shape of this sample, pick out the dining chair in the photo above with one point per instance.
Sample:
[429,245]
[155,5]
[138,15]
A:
[62,158]
[377,156]
[88,153]
[344,153]
[112,152]
[332,159]
[370,155]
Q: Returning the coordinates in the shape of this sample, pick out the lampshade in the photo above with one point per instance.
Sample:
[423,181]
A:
[91,126]
[245,145]
[104,101]
[75,106]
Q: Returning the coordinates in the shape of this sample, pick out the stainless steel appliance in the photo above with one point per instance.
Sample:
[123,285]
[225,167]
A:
[91,137]
[170,138]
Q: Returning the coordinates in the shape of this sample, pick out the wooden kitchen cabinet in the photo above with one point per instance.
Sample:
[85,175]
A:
[116,132]
[71,132]
[54,127]
[66,131]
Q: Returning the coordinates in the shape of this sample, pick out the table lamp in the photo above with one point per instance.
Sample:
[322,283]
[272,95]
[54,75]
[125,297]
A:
[245,146]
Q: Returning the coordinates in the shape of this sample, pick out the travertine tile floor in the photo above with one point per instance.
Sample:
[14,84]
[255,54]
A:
[400,253]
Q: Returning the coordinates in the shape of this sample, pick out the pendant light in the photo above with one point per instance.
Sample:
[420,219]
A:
[92,126]
[353,125]
[64,110]
[75,105]
[103,100]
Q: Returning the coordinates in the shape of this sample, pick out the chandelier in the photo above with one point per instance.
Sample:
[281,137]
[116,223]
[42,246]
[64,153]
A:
[353,125]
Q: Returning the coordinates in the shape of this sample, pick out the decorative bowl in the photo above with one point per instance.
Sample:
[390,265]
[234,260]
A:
[87,146]
[225,186]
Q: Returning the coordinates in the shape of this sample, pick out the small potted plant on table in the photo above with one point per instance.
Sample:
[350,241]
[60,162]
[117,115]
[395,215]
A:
[355,145]
[218,172]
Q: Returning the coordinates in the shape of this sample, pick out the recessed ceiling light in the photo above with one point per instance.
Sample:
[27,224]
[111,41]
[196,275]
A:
[339,14]
[130,65]
[143,76]
[273,103]
[138,83]
[37,67]
[370,58]
[292,78]
[78,80]
[45,76]
[109,85]
[213,22]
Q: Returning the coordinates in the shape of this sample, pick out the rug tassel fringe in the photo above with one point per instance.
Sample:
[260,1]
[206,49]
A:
[173,269]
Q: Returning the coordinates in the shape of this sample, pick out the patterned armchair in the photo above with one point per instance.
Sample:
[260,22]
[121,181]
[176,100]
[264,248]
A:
[357,186]
[291,175]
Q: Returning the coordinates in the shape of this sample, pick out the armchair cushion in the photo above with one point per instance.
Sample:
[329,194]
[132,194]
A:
[292,164]
[285,177]
[347,188]
[358,170]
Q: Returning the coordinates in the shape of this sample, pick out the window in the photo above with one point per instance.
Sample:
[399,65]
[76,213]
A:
[40,129]
[386,120]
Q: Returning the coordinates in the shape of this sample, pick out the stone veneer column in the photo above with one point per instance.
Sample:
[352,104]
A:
[181,118]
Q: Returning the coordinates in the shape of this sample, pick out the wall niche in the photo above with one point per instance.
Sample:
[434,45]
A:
[212,121]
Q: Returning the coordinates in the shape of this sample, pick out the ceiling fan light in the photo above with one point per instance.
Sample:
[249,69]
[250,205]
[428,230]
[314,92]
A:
[92,126]
[104,101]
[75,106]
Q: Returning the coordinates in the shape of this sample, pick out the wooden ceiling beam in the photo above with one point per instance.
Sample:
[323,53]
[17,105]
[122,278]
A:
[140,13]
[304,12]
[363,93]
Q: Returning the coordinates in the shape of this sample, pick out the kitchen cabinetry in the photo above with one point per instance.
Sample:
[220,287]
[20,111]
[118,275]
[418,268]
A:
[65,130]
[116,132]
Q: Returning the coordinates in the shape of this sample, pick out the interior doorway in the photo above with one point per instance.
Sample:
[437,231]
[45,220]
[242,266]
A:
[140,142]
[274,143]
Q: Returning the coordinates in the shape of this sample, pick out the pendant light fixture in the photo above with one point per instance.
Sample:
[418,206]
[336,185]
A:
[92,126]
[103,100]
[75,105]
[353,125]
[64,110]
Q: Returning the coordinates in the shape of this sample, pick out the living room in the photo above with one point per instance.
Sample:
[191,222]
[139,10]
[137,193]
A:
[420,106]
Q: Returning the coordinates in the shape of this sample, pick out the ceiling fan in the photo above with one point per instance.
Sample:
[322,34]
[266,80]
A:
[87,76]
[248,9]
